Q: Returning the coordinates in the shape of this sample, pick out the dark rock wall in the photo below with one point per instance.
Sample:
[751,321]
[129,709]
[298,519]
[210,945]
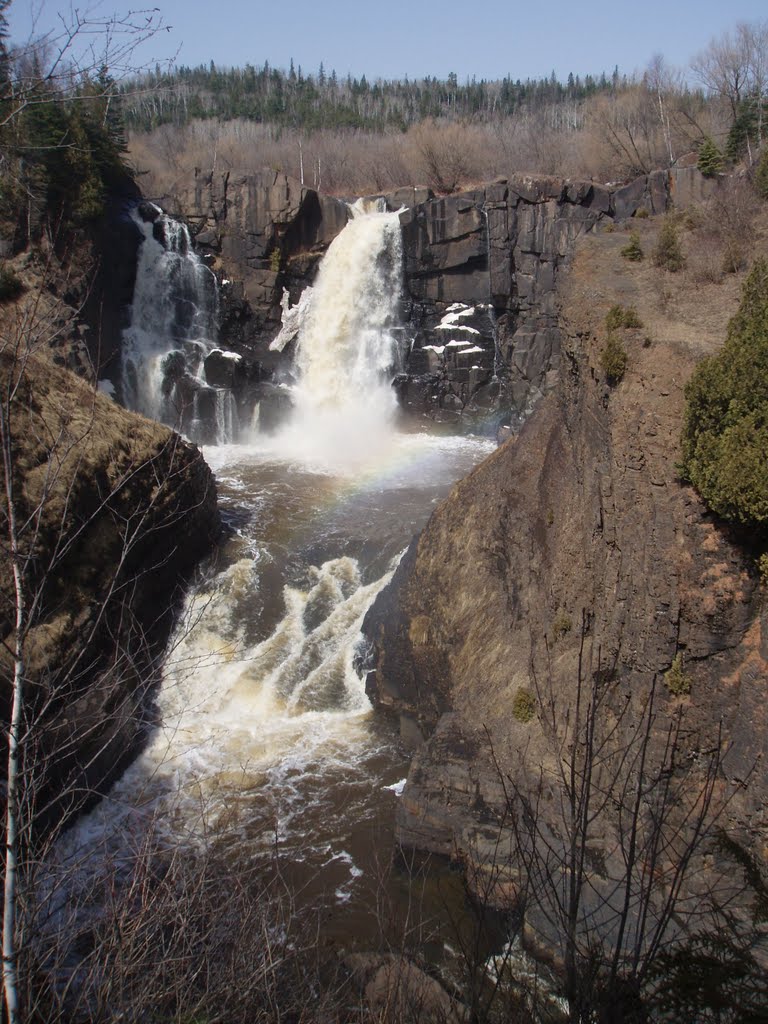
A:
[500,249]
[262,232]
[497,250]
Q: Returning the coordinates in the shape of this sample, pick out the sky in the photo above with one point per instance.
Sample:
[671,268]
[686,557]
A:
[418,37]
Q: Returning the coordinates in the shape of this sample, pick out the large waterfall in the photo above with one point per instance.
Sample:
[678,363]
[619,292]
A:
[344,406]
[172,330]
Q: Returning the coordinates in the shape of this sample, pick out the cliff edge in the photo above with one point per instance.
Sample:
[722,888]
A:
[104,514]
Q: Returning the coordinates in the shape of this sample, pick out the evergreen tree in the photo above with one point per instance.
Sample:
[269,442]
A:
[4,68]
[725,432]
[710,161]
[742,129]
[632,251]
[668,254]
[761,175]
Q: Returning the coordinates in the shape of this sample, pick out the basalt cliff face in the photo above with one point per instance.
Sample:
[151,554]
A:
[579,520]
[482,339]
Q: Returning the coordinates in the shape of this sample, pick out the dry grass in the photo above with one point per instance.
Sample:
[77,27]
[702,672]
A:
[689,309]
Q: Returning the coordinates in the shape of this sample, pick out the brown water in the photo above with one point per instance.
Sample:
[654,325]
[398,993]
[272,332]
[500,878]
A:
[266,743]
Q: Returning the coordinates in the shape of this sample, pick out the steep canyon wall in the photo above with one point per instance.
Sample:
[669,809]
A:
[582,518]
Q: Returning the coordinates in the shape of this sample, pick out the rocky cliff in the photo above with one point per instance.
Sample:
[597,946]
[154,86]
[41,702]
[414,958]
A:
[581,519]
[112,512]
[480,273]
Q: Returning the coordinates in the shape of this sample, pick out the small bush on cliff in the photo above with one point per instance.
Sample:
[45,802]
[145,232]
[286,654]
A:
[668,255]
[677,682]
[632,251]
[725,429]
[613,359]
[710,160]
[562,625]
[622,316]
[524,706]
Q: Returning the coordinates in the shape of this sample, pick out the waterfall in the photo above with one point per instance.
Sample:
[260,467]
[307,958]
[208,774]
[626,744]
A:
[226,417]
[347,348]
[172,330]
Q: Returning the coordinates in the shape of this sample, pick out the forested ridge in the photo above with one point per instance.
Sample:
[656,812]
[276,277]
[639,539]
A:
[325,100]
[348,135]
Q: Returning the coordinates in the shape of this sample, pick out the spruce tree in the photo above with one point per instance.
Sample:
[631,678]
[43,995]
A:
[761,175]
[710,160]
[668,253]
[725,432]
[632,250]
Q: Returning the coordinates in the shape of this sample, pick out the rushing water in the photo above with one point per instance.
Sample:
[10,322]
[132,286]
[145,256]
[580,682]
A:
[173,328]
[265,738]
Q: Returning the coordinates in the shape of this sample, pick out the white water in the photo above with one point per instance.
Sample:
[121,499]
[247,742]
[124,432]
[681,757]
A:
[173,321]
[344,406]
[265,734]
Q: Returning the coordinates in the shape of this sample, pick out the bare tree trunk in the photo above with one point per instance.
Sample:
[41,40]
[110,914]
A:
[10,984]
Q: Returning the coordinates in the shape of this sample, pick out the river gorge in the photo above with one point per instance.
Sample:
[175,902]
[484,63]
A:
[391,641]
[266,742]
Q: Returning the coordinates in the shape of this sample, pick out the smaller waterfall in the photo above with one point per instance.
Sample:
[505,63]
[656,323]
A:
[173,328]
[226,417]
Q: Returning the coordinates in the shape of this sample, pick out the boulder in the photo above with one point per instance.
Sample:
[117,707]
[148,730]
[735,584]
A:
[397,991]
[224,369]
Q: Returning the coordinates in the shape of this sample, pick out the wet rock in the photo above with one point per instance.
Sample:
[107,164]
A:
[224,369]
[274,407]
[396,990]
[266,231]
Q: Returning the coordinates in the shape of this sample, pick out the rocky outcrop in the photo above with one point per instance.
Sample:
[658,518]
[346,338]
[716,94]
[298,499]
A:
[498,251]
[115,512]
[480,275]
[580,519]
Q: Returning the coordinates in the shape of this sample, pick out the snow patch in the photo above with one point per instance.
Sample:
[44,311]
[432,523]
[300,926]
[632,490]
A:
[397,787]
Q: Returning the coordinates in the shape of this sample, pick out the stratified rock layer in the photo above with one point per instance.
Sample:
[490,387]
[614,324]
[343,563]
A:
[495,251]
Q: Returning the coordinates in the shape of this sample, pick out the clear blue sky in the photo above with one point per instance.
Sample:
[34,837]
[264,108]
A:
[488,39]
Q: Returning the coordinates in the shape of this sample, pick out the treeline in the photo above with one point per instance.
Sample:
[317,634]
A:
[292,99]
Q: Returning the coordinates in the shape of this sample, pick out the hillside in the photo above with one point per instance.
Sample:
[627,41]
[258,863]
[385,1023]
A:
[104,515]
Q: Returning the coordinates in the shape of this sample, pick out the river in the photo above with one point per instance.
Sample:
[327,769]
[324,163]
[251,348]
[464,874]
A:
[265,744]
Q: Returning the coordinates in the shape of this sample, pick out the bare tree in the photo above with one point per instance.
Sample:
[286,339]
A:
[661,82]
[723,69]
[754,41]
[82,43]
[735,67]
[605,836]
